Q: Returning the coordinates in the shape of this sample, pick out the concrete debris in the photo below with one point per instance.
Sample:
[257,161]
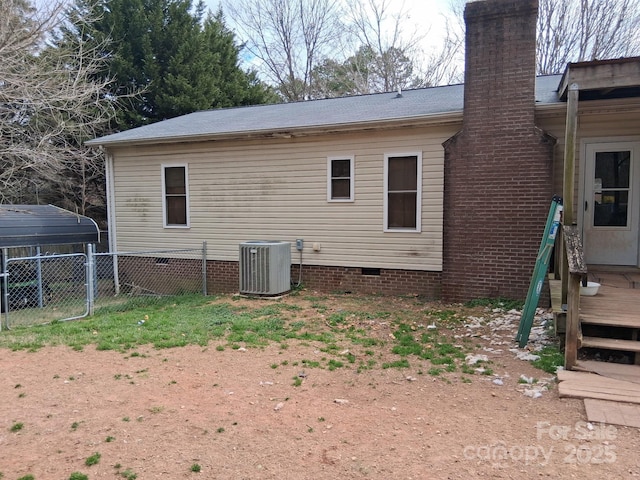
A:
[534,392]
[524,355]
[525,379]
[474,359]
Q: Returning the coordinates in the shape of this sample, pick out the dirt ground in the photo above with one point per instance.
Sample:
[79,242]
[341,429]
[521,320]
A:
[236,414]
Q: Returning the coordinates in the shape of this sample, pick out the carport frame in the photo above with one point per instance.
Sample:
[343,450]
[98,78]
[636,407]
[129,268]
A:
[39,225]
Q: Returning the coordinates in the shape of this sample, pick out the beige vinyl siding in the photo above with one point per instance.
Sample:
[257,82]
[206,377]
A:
[276,189]
[607,119]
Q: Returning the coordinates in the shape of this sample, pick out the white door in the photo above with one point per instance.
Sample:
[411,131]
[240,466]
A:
[612,197]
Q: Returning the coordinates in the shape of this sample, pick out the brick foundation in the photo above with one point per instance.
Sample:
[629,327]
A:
[173,275]
[352,279]
[222,277]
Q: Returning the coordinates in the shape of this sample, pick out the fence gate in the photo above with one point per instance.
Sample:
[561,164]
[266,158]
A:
[44,288]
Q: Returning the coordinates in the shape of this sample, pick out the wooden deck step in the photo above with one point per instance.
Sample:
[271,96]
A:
[609,320]
[590,385]
[611,344]
[619,371]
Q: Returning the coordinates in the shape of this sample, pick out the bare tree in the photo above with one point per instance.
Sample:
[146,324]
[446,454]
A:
[378,29]
[289,38]
[580,30]
[49,105]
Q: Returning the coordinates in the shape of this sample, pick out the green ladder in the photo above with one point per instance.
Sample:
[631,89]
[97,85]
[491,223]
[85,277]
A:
[540,271]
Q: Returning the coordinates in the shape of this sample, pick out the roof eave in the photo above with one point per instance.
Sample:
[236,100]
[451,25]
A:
[446,118]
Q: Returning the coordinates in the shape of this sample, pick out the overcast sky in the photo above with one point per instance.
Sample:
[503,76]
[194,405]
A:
[423,14]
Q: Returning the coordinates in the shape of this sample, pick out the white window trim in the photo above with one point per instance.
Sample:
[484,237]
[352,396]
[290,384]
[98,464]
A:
[163,167]
[351,159]
[418,228]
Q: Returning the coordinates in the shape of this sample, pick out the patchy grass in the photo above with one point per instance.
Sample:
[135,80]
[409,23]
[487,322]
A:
[347,328]
[550,359]
[93,459]
[16,427]
[78,476]
[501,303]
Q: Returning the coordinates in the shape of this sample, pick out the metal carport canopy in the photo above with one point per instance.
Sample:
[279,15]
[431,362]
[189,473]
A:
[35,225]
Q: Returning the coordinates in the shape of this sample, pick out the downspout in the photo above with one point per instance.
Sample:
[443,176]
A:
[111,218]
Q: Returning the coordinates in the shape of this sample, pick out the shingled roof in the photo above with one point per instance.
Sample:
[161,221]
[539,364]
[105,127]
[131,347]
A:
[333,113]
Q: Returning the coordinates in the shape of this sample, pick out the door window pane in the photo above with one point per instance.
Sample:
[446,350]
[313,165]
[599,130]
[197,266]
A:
[611,209]
[612,168]
[611,189]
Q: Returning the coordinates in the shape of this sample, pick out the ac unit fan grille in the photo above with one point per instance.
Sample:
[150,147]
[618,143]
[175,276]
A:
[265,267]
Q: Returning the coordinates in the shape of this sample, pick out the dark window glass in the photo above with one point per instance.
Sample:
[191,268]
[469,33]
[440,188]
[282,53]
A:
[402,192]
[175,181]
[340,188]
[341,179]
[175,195]
[403,173]
[611,189]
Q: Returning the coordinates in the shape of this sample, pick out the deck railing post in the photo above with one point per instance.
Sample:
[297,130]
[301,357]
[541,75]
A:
[577,269]
[573,323]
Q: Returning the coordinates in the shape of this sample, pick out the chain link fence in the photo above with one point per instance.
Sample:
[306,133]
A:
[45,288]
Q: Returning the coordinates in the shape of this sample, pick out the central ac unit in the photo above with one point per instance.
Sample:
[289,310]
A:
[265,267]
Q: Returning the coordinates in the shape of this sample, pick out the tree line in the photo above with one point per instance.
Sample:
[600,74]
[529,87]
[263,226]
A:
[73,71]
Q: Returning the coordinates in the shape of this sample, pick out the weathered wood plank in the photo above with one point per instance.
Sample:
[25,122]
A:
[589,385]
[572,323]
[613,413]
[575,254]
[610,320]
[611,344]
[629,373]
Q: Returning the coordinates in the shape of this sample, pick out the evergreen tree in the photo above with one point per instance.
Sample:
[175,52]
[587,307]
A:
[166,59]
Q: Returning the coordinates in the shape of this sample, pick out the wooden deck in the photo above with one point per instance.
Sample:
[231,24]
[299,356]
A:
[613,306]
[611,390]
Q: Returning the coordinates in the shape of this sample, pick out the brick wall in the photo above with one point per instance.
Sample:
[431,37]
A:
[222,277]
[352,280]
[174,276]
[498,167]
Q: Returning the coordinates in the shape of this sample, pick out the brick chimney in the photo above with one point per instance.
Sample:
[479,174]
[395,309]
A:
[498,167]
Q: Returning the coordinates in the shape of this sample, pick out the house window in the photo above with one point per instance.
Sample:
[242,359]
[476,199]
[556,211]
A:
[340,179]
[402,192]
[175,195]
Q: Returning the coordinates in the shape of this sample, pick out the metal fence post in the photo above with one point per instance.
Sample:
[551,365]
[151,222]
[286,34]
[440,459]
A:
[90,278]
[116,276]
[39,275]
[3,291]
[204,268]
